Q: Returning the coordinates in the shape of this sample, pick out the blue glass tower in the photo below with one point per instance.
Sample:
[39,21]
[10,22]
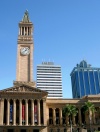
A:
[85,80]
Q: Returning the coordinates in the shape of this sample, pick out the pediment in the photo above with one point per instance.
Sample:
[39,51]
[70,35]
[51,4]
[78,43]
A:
[22,88]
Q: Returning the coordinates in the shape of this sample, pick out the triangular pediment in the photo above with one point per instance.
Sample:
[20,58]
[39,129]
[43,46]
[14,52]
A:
[22,88]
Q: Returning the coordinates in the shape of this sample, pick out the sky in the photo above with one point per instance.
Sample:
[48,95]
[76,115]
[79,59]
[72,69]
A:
[65,32]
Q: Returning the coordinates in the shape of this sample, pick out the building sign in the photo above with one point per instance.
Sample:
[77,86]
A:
[23,113]
[11,113]
[35,114]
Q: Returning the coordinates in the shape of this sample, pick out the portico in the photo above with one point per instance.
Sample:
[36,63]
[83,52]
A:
[23,106]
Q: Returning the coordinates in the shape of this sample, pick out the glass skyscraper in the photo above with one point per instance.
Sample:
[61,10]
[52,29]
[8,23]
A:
[85,80]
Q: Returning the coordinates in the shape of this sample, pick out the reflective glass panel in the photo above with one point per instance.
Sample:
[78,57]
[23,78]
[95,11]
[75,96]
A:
[86,81]
[92,82]
[96,81]
[77,86]
[81,83]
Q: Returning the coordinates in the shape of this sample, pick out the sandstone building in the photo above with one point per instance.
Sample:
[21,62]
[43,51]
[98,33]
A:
[24,108]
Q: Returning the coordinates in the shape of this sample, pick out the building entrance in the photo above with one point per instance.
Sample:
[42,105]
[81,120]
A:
[10,130]
[23,130]
[35,130]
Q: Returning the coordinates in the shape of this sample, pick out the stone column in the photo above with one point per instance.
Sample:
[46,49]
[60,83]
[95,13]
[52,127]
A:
[79,116]
[32,112]
[26,112]
[14,112]
[1,111]
[20,30]
[44,111]
[86,118]
[54,116]
[8,111]
[94,121]
[27,30]
[20,112]
[38,112]
[24,30]
[60,116]
[31,31]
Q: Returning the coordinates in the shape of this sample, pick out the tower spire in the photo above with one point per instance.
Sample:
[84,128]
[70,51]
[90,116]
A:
[26,17]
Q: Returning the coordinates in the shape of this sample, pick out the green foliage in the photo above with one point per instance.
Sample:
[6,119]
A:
[70,110]
[88,106]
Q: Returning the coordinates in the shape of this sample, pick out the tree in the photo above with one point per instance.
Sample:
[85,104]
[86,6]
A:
[89,107]
[70,110]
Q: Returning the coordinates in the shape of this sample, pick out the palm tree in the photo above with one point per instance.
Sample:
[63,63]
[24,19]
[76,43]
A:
[70,110]
[89,107]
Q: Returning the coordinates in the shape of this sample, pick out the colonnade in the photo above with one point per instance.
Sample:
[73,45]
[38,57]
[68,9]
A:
[55,119]
[63,120]
[24,112]
[35,113]
[25,30]
[79,119]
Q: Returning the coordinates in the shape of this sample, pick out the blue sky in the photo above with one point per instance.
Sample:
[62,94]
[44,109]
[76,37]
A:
[65,32]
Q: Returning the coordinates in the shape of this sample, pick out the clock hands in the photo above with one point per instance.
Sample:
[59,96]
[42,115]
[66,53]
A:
[25,50]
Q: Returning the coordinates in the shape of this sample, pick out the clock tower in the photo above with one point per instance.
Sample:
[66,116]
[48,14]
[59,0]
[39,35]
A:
[25,48]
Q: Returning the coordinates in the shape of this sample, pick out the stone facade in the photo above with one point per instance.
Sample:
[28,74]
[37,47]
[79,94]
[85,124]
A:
[27,109]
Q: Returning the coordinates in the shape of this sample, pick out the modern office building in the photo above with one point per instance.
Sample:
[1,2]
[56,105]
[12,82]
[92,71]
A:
[49,78]
[85,80]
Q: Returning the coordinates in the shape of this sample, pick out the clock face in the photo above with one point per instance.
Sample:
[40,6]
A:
[25,51]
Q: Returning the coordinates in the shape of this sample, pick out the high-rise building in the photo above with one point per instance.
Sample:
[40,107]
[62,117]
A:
[85,80]
[49,78]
